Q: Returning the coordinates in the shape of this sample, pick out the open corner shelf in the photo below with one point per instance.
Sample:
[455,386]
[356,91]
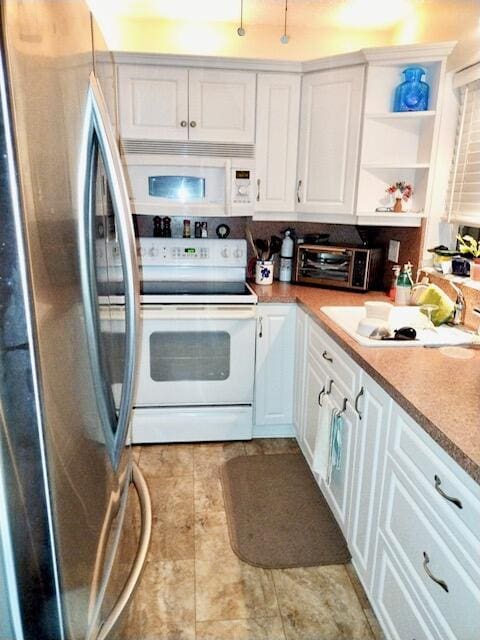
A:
[402,115]
[386,219]
[396,165]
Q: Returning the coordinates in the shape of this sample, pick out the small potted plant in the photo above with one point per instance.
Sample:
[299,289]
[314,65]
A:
[400,191]
[470,247]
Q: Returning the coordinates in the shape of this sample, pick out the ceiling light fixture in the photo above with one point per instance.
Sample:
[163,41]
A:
[284,39]
[241,30]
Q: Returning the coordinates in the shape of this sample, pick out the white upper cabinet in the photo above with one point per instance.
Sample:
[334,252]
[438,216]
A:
[222,106]
[278,110]
[153,102]
[175,103]
[331,111]
[329,140]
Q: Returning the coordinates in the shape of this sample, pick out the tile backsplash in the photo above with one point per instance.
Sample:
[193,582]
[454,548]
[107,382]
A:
[410,238]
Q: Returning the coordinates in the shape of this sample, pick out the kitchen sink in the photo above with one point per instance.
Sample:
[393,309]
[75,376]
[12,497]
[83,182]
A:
[347,318]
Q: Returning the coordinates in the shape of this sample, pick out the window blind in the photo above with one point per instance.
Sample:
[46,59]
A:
[463,196]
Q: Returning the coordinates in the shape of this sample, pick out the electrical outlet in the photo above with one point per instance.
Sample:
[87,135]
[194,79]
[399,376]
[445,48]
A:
[393,250]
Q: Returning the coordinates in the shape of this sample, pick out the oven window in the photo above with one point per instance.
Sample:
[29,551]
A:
[189,355]
[183,188]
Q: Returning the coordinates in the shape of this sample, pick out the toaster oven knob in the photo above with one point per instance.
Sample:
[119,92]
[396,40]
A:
[225,253]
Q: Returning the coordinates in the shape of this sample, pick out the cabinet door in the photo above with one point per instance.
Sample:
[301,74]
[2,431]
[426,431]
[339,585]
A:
[315,382]
[329,140]
[222,105]
[153,102]
[337,491]
[275,364]
[374,408]
[301,331]
[278,105]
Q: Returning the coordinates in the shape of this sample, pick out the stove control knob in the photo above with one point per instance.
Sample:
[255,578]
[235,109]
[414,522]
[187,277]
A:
[225,253]
[238,253]
[153,252]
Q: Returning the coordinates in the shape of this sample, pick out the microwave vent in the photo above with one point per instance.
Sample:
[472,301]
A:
[190,148]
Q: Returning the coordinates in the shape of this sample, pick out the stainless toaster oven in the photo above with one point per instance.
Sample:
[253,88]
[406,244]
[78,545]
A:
[356,268]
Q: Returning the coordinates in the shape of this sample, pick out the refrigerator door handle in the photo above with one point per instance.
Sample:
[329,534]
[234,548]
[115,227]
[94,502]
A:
[126,238]
[139,562]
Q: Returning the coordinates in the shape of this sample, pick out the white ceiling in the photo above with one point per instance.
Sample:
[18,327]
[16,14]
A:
[306,13]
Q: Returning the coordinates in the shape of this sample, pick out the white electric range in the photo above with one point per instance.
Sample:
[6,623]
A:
[197,353]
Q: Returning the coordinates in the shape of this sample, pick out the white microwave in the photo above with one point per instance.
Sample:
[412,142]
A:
[172,185]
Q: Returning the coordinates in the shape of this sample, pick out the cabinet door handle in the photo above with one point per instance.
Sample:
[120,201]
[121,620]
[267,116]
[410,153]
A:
[193,124]
[330,385]
[455,501]
[326,356]
[357,400]
[320,396]
[183,123]
[299,186]
[441,583]
[258,190]
[260,327]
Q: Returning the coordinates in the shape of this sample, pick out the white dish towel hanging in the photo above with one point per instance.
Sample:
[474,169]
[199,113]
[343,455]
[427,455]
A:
[327,453]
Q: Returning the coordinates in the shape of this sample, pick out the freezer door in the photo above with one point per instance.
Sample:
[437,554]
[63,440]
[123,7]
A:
[69,460]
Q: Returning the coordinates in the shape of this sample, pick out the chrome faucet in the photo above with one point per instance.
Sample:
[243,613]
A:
[459,308]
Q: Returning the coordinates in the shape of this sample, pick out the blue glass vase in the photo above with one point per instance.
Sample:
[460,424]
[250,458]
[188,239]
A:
[412,94]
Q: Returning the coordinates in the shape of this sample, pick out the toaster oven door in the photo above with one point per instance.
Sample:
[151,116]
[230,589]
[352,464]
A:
[325,266]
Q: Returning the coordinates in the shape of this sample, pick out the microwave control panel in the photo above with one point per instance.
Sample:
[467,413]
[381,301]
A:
[242,189]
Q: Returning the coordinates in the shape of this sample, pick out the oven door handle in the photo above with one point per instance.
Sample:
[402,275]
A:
[196,312]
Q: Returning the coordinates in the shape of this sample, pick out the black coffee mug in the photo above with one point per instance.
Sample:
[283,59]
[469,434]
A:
[460,266]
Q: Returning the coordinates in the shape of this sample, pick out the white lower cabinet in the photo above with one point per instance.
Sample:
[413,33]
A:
[274,370]
[396,604]
[374,406]
[337,490]
[410,514]
[315,384]
[301,329]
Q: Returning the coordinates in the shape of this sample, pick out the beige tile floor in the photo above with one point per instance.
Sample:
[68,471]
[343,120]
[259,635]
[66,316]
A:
[195,588]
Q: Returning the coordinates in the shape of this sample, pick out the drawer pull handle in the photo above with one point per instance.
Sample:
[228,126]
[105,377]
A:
[441,583]
[455,501]
[320,396]
[327,357]
[357,400]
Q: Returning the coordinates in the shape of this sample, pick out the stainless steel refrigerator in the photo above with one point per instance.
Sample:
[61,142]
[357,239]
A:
[68,560]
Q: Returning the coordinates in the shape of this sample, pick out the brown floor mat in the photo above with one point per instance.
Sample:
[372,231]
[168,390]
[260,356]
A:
[277,516]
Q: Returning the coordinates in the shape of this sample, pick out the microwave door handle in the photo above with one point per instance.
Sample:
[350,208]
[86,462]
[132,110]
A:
[126,238]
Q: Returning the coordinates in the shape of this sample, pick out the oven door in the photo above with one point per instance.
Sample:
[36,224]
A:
[325,266]
[195,355]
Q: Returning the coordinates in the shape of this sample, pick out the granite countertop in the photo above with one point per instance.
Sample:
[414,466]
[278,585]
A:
[441,393]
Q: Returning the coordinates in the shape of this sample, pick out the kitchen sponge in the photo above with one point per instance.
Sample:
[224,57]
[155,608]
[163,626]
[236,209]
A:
[435,295]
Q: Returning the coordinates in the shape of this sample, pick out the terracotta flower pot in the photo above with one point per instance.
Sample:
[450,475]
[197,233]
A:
[475,269]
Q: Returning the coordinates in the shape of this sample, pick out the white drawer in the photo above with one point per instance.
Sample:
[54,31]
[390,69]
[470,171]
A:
[400,613]
[428,465]
[336,363]
[412,530]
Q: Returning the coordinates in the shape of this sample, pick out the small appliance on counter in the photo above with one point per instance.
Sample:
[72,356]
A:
[356,268]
